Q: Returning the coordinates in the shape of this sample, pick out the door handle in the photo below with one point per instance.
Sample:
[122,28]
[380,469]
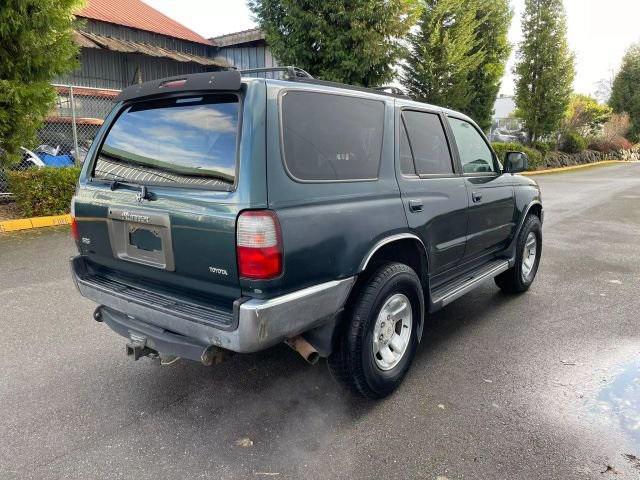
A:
[415,205]
[476,197]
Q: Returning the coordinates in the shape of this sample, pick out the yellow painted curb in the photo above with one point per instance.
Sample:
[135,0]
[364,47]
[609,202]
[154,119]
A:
[574,167]
[35,222]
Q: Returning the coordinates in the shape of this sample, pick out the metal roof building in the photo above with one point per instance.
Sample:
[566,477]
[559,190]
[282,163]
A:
[245,49]
[126,41]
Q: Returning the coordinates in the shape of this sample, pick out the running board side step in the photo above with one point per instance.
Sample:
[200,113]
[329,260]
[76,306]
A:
[453,290]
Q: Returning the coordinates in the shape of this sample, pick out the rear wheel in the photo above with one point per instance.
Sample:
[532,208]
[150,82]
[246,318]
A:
[379,337]
[528,250]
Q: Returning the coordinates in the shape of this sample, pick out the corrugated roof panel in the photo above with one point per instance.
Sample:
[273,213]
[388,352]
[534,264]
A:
[236,38]
[92,40]
[137,14]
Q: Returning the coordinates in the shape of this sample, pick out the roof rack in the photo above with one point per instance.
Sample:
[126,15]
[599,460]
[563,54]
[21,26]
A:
[392,90]
[292,73]
[297,74]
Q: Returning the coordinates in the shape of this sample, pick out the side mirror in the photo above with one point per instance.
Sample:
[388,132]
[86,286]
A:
[516,162]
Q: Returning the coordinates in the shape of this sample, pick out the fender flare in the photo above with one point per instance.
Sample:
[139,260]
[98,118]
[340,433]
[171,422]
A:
[386,240]
[522,219]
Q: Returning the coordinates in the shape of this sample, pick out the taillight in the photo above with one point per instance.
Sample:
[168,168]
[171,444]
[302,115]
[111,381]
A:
[259,245]
[74,229]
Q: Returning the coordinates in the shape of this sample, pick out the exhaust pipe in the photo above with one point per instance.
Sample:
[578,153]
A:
[304,348]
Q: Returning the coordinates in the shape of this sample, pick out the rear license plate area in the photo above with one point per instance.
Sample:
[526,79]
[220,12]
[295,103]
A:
[147,239]
[141,237]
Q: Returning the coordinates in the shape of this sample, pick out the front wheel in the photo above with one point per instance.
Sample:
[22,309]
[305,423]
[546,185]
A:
[528,251]
[379,338]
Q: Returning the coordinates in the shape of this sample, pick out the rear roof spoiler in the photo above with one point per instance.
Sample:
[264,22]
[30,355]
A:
[224,80]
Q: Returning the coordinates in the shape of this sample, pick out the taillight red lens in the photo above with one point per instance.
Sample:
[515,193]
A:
[259,245]
[74,229]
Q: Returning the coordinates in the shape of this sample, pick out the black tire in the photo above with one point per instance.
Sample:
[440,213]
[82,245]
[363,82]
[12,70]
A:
[512,280]
[352,361]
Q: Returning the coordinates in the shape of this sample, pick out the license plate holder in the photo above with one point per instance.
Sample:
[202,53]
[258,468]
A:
[141,237]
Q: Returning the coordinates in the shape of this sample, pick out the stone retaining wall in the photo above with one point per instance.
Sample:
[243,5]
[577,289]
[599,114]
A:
[559,159]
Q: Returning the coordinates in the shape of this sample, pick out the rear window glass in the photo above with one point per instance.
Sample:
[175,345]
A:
[189,141]
[331,137]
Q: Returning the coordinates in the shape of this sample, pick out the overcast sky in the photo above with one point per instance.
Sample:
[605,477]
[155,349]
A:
[599,30]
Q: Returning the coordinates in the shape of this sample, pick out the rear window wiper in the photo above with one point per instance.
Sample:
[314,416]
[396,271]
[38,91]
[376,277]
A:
[144,192]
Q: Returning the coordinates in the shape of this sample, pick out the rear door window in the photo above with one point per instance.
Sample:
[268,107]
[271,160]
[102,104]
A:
[328,137]
[428,143]
[186,141]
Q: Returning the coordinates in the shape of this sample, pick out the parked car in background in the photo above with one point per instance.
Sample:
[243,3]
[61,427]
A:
[223,213]
[507,136]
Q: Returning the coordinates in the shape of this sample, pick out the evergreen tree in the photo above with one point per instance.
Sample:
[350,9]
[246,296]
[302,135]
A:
[443,54]
[350,41]
[545,68]
[494,18]
[35,46]
[625,92]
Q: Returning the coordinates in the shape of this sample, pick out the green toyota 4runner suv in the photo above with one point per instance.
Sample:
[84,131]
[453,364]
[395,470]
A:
[217,212]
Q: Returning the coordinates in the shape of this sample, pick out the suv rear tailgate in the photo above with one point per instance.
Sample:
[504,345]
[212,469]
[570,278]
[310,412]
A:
[157,204]
[194,247]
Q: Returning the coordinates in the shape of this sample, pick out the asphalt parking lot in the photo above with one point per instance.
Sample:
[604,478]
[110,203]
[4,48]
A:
[541,386]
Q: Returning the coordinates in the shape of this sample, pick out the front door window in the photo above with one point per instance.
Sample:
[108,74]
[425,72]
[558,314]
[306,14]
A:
[475,154]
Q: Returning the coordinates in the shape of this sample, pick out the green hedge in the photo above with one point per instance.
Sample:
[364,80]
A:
[573,142]
[44,191]
[536,158]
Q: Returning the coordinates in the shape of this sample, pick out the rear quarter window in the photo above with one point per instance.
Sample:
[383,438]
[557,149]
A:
[331,137]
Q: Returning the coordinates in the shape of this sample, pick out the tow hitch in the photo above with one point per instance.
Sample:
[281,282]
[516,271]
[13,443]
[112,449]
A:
[137,348]
[146,340]
[137,351]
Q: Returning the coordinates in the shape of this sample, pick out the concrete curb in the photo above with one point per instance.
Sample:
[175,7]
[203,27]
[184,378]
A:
[574,167]
[35,222]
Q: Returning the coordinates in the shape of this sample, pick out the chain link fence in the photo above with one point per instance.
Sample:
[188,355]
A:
[67,132]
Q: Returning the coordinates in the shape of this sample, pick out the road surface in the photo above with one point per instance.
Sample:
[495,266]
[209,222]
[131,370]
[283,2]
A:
[539,386]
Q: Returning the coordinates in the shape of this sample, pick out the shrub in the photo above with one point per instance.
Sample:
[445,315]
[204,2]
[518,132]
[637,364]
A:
[613,145]
[585,115]
[618,126]
[44,191]
[573,142]
[544,147]
[536,158]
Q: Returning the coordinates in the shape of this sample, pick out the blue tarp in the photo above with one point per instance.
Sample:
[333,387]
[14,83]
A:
[56,160]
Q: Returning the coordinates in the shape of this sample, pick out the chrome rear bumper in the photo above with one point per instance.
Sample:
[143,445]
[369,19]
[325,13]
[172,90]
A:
[259,323]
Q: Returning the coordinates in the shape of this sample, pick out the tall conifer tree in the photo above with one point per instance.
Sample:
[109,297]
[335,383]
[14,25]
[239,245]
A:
[350,41]
[625,92]
[494,18]
[35,46]
[443,54]
[545,68]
